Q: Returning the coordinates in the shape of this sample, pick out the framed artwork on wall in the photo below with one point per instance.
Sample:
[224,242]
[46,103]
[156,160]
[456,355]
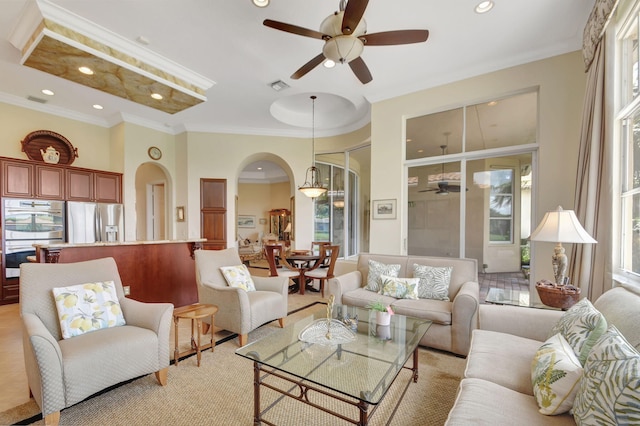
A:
[245,221]
[384,209]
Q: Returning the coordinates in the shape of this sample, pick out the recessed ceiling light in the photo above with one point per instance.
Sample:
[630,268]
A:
[409,140]
[157,96]
[421,150]
[484,7]
[97,106]
[261,3]
[259,168]
[48,92]
[86,70]
[493,103]
[329,63]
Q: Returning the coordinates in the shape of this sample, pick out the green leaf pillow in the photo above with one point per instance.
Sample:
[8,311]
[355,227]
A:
[609,393]
[581,326]
[87,307]
[434,281]
[400,288]
[555,374]
[376,269]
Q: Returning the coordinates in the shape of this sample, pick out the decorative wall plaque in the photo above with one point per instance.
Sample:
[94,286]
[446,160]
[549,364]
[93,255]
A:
[41,140]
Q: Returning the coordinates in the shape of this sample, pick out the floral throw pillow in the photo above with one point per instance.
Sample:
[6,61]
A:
[555,374]
[581,326]
[434,281]
[87,307]
[376,269]
[400,288]
[609,392]
[238,276]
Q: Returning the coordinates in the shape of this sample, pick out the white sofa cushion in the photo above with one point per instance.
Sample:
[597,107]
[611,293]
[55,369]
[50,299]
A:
[555,374]
[437,311]
[480,402]
[434,281]
[502,358]
[400,288]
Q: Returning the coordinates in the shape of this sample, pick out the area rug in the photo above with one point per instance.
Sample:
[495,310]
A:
[220,392]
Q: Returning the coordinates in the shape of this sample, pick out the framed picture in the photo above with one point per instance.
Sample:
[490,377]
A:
[245,221]
[384,209]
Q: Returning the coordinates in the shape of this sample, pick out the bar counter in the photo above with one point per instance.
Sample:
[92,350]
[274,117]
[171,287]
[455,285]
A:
[154,271]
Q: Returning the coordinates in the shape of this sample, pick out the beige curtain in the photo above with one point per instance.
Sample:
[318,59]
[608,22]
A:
[590,264]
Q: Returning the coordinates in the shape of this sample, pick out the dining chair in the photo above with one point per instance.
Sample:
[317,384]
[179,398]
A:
[278,266]
[320,273]
[316,246]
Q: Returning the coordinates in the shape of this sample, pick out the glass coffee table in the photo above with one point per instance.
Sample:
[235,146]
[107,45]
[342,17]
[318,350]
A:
[357,373]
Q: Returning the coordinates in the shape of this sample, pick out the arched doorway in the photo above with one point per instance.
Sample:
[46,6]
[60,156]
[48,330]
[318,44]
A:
[152,194]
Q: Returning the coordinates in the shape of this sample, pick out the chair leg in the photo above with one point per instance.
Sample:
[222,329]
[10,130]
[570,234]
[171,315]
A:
[161,376]
[52,419]
[322,287]
[281,322]
[243,339]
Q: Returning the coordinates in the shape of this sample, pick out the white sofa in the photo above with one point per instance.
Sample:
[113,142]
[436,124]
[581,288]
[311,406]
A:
[497,387]
[453,320]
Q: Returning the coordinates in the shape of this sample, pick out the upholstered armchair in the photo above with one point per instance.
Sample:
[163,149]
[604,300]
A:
[64,371]
[239,311]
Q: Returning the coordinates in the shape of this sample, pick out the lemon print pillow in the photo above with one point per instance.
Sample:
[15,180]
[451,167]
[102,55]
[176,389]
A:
[87,307]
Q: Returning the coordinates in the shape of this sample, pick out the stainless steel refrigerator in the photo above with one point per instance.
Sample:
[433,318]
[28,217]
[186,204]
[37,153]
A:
[94,222]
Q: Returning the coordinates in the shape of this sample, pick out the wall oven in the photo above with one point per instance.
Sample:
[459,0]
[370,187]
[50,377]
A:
[25,223]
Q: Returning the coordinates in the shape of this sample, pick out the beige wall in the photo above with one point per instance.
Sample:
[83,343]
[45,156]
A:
[188,157]
[561,83]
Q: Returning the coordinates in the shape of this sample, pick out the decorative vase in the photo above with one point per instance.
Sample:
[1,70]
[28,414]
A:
[383,318]
[383,332]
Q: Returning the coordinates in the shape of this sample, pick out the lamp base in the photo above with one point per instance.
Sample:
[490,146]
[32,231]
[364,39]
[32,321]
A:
[557,296]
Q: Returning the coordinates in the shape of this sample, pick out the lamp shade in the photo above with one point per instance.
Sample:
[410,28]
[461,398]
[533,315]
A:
[288,228]
[561,226]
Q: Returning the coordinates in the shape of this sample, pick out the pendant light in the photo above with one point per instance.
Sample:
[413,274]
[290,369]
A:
[312,186]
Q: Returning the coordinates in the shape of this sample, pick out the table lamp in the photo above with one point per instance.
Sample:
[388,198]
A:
[560,226]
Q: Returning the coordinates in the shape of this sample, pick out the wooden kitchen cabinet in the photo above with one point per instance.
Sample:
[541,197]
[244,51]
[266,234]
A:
[88,185]
[213,213]
[108,187]
[79,185]
[17,179]
[49,182]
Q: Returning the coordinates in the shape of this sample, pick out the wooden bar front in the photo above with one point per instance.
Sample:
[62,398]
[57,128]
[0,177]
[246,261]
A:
[155,272]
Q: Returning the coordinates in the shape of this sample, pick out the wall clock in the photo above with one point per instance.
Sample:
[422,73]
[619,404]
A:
[155,153]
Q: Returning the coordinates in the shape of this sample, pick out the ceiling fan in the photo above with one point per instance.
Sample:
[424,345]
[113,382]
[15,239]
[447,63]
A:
[444,188]
[345,35]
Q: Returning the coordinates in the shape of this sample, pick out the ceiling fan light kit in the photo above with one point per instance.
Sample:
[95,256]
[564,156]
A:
[344,36]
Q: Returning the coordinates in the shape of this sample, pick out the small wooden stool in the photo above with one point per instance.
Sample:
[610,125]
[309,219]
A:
[195,313]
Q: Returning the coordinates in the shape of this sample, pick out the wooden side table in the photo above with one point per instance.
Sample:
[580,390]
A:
[195,313]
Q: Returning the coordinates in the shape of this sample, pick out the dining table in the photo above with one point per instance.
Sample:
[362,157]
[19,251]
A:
[303,263]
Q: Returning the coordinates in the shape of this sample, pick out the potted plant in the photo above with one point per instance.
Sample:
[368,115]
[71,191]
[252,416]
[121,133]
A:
[383,312]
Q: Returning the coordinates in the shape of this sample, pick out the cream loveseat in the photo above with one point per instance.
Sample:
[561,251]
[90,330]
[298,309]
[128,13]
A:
[453,320]
[497,388]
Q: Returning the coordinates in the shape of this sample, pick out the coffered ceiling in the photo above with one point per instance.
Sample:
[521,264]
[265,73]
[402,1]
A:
[224,43]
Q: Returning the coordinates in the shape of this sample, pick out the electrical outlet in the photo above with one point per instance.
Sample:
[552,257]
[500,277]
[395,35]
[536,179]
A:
[127,290]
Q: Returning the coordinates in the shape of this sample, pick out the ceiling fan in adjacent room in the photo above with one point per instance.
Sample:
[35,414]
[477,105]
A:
[345,35]
[444,187]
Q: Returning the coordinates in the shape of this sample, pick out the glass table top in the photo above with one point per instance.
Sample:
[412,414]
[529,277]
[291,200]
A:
[363,368]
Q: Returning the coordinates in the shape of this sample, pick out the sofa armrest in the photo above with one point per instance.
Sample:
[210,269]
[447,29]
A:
[343,283]
[43,362]
[275,284]
[464,316]
[531,323]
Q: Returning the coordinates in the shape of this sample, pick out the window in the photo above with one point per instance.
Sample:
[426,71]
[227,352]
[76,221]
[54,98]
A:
[629,122]
[500,206]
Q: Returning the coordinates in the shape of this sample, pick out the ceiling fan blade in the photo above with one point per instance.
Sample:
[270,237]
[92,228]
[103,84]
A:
[361,70]
[308,66]
[294,29]
[389,38]
[352,15]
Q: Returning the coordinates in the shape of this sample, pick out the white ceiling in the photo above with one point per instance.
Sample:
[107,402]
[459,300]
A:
[225,41]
